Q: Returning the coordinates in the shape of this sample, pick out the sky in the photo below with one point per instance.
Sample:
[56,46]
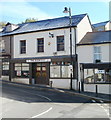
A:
[16,12]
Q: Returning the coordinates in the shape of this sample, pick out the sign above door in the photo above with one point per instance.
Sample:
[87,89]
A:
[39,60]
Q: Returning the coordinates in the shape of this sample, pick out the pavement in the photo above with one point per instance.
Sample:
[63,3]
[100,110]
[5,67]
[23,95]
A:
[103,97]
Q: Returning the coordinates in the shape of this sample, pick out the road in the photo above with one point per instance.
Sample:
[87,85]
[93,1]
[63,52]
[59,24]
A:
[21,102]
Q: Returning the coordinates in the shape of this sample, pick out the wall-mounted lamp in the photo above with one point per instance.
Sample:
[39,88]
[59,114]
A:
[51,35]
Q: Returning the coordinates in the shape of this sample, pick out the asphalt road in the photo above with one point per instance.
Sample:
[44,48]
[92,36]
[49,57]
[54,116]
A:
[20,102]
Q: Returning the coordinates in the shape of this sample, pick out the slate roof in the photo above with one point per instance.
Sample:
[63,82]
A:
[96,38]
[100,24]
[47,24]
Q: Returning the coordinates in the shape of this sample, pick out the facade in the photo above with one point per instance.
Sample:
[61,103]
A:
[6,50]
[41,51]
[102,26]
[95,61]
[5,56]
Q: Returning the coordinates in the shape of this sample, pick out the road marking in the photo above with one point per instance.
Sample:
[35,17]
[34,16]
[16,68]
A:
[42,113]
[61,91]
[101,101]
[36,95]
[101,105]
[93,101]
[106,110]
[39,96]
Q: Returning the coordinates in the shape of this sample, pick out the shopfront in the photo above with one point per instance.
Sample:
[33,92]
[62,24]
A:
[42,70]
[95,74]
[5,67]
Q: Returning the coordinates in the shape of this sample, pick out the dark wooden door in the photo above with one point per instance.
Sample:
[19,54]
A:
[41,73]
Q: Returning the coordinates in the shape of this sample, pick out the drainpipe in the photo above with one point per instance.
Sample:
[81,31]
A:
[76,62]
[10,64]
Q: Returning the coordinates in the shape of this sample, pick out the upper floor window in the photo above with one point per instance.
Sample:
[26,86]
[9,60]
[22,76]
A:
[40,45]
[22,46]
[60,43]
[97,53]
[2,46]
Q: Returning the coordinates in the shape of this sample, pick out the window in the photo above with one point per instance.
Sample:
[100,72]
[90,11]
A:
[55,71]
[5,68]
[60,43]
[40,45]
[89,75]
[21,70]
[2,46]
[97,76]
[60,70]
[97,53]
[22,46]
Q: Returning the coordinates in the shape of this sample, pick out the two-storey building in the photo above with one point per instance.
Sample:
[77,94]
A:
[102,26]
[95,61]
[6,50]
[41,51]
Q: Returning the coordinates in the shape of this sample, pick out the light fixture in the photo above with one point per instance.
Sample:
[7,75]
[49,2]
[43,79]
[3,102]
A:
[65,10]
[51,35]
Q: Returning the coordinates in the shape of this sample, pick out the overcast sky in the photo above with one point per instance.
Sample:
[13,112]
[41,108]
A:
[16,12]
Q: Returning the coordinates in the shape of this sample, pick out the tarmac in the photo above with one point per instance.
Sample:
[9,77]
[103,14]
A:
[97,96]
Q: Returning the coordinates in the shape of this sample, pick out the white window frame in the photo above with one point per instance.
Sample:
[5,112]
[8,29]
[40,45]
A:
[97,52]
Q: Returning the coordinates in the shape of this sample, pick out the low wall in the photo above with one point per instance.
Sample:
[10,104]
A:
[74,84]
[102,88]
[21,80]
[61,83]
[5,78]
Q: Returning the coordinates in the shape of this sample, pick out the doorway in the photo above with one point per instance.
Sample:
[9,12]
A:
[40,73]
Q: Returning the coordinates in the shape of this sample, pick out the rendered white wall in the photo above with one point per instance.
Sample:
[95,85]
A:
[106,48]
[5,78]
[61,83]
[85,53]
[21,80]
[102,88]
[83,27]
[31,42]
[108,26]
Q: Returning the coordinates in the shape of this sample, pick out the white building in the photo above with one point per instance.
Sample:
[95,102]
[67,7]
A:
[41,51]
[94,59]
[102,26]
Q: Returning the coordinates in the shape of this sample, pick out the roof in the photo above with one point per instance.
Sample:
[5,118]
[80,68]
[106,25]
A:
[100,24]
[47,24]
[96,38]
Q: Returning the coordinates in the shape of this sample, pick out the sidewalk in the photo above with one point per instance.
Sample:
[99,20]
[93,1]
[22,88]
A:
[102,97]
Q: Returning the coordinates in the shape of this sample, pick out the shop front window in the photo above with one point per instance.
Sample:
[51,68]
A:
[5,68]
[89,75]
[55,71]
[22,70]
[97,76]
[60,70]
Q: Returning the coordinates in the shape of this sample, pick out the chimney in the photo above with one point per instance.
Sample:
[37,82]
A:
[10,27]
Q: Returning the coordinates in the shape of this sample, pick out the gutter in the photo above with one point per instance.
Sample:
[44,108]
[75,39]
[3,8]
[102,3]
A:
[36,31]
